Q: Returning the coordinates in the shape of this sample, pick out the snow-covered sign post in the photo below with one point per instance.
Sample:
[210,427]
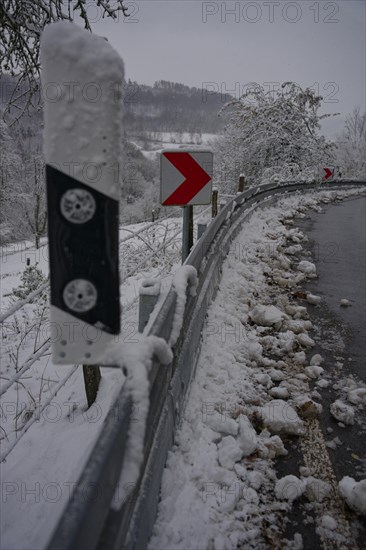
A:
[186,180]
[81,80]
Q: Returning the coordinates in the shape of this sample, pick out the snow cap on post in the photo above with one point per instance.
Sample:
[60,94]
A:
[82,78]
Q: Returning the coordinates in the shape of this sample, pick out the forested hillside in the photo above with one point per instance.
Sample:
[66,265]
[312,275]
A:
[164,107]
[171,107]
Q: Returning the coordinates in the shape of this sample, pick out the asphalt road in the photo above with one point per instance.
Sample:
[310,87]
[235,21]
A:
[337,242]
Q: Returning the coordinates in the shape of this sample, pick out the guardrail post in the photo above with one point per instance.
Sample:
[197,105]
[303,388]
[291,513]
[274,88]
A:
[149,295]
[92,379]
[222,204]
[201,228]
[214,202]
[241,183]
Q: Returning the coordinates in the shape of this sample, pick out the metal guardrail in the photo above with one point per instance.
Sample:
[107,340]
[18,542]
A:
[90,523]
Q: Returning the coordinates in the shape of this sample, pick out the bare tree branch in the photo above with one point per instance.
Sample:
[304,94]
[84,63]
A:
[21,26]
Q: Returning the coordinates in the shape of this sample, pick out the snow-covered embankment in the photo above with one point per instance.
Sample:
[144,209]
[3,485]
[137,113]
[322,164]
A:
[254,389]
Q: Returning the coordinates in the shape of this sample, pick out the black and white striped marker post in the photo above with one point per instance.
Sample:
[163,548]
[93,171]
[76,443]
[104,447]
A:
[81,80]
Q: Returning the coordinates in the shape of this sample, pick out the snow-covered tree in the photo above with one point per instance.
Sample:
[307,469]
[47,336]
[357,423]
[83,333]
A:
[33,200]
[351,146]
[21,25]
[10,174]
[22,187]
[274,133]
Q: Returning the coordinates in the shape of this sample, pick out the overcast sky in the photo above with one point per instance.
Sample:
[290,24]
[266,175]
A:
[231,44]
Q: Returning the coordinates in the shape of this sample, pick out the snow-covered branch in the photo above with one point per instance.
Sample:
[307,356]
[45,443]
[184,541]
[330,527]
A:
[21,25]
[276,130]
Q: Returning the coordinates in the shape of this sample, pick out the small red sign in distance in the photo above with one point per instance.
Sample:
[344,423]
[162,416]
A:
[328,173]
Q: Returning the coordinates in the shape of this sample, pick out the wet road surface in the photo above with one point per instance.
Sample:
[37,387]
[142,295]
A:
[337,243]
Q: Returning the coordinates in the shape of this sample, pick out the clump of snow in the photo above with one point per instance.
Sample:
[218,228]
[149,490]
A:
[342,412]
[307,267]
[297,312]
[316,490]
[357,396]
[354,492]
[293,249]
[333,443]
[313,371]
[186,275]
[307,407]
[229,452]
[255,479]
[255,351]
[279,417]
[289,488]
[313,299]
[247,438]
[271,446]
[222,424]
[296,544]
[296,325]
[300,357]
[267,315]
[277,375]
[354,390]
[305,340]
[322,383]
[286,341]
[305,471]
[344,302]
[327,522]
[264,380]
[279,392]
[150,287]
[316,359]
[251,496]
[296,385]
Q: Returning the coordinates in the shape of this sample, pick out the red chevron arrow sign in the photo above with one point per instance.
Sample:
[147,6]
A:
[186,177]
[328,173]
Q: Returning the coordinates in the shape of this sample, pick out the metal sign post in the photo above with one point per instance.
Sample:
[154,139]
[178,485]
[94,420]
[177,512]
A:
[215,194]
[186,180]
[187,231]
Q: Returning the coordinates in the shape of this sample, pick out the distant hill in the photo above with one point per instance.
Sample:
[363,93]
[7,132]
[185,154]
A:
[164,107]
[171,107]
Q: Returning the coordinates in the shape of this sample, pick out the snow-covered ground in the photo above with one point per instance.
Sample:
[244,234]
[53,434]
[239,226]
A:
[257,387]
[46,426]
[156,142]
